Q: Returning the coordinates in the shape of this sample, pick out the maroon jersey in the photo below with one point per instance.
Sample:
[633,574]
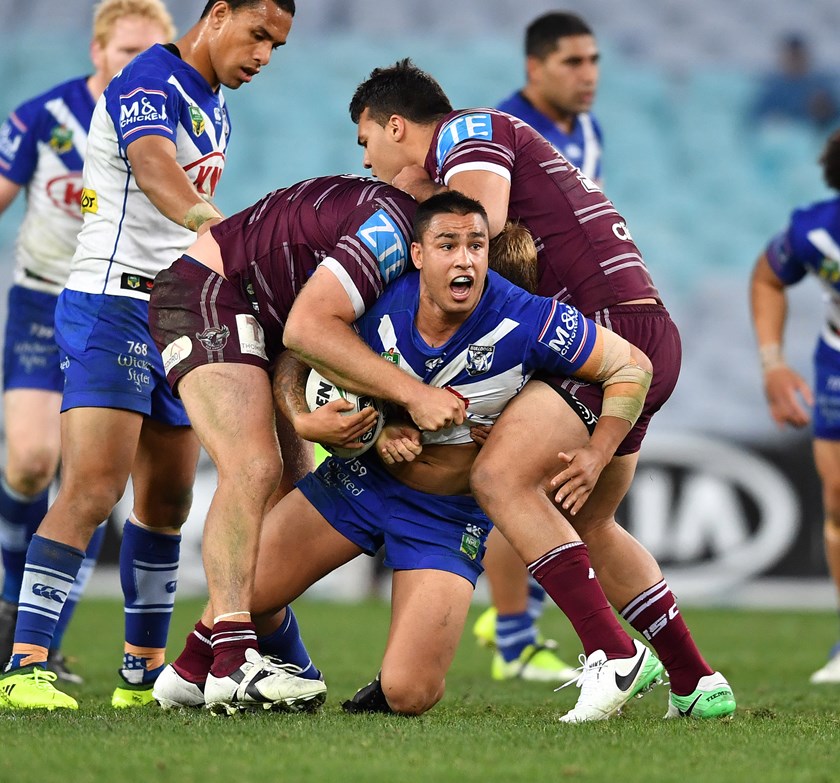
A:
[585,253]
[359,228]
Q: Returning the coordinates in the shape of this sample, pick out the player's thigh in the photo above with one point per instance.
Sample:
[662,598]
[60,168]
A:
[33,440]
[524,443]
[232,411]
[827,459]
[297,548]
[163,473]
[428,612]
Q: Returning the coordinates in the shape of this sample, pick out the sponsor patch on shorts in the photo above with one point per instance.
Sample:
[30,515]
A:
[176,352]
[251,335]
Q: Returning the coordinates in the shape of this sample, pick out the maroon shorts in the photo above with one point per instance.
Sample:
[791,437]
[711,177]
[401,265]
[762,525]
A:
[197,317]
[650,328]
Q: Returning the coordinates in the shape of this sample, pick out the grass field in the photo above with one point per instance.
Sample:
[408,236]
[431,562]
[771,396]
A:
[785,730]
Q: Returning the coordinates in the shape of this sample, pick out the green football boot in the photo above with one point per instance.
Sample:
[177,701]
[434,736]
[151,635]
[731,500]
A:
[127,696]
[712,698]
[31,688]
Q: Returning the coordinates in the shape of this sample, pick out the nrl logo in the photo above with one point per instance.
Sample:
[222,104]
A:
[480,358]
[214,338]
[61,139]
[392,356]
[197,120]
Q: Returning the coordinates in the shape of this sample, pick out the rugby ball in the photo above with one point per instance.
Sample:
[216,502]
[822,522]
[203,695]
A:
[320,391]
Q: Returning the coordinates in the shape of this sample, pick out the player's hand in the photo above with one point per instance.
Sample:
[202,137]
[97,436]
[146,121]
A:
[327,425]
[479,433]
[786,390]
[398,443]
[436,409]
[415,181]
[574,484]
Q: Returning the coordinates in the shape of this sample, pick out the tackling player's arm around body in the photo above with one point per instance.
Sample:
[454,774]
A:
[162,125]
[809,245]
[586,257]
[451,326]
[43,153]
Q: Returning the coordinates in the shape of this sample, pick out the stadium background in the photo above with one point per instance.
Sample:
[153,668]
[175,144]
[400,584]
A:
[729,505]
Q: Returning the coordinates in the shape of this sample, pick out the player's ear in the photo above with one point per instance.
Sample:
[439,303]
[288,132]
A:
[97,56]
[395,127]
[417,254]
[532,66]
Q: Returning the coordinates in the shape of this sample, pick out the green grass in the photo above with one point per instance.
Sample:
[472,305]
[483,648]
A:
[785,730]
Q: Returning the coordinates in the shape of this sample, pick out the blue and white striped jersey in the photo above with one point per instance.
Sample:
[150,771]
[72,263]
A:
[124,238]
[582,147]
[42,148]
[811,244]
[508,337]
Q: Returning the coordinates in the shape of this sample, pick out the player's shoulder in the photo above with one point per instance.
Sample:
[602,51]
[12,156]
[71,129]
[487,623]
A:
[29,110]
[154,67]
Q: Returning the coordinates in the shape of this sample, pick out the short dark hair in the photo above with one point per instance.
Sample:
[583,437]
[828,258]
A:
[402,89]
[542,34]
[286,5]
[830,161]
[450,202]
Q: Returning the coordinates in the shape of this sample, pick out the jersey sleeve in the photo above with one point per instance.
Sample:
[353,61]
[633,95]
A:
[788,254]
[562,340]
[371,253]
[19,143]
[475,141]
[141,106]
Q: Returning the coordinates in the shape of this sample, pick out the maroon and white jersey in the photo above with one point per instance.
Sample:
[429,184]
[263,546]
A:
[586,254]
[358,228]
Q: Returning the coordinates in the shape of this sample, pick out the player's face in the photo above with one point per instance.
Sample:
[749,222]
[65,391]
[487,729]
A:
[383,154]
[130,36]
[452,259]
[243,40]
[568,78]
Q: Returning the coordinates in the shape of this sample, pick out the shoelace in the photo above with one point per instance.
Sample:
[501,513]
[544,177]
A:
[43,678]
[273,662]
[587,681]
[577,680]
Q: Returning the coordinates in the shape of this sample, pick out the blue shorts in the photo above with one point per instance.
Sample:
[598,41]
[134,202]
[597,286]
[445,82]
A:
[109,358]
[826,392]
[369,507]
[30,355]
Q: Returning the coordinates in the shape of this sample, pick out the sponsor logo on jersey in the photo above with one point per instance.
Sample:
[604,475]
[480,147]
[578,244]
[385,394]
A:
[251,335]
[476,125]
[392,356]
[88,201]
[136,283]
[141,106]
[479,358]
[621,231]
[560,332]
[176,352]
[206,172]
[432,364]
[197,120]
[588,185]
[65,193]
[829,270]
[61,139]
[214,338]
[380,233]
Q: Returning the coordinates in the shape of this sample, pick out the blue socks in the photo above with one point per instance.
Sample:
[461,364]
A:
[48,578]
[19,519]
[286,644]
[514,632]
[149,576]
[536,599]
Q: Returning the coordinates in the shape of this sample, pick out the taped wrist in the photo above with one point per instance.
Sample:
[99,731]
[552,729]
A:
[198,214]
[771,356]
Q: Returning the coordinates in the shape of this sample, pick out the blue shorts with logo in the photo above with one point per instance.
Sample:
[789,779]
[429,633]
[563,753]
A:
[30,355]
[826,392]
[109,358]
[369,507]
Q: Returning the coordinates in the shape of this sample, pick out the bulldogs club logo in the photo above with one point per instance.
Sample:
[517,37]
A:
[479,358]
[214,338]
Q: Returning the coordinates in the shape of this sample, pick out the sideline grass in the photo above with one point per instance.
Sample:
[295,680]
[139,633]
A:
[785,730]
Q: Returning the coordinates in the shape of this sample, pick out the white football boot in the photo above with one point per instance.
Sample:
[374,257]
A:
[172,691]
[607,685]
[830,673]
[263,682]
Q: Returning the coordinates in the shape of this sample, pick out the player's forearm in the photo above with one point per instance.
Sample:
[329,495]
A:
[289,386]
[768,305]
[331,346]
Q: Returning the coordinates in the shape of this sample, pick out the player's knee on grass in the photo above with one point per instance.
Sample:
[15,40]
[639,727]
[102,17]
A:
[409,694]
